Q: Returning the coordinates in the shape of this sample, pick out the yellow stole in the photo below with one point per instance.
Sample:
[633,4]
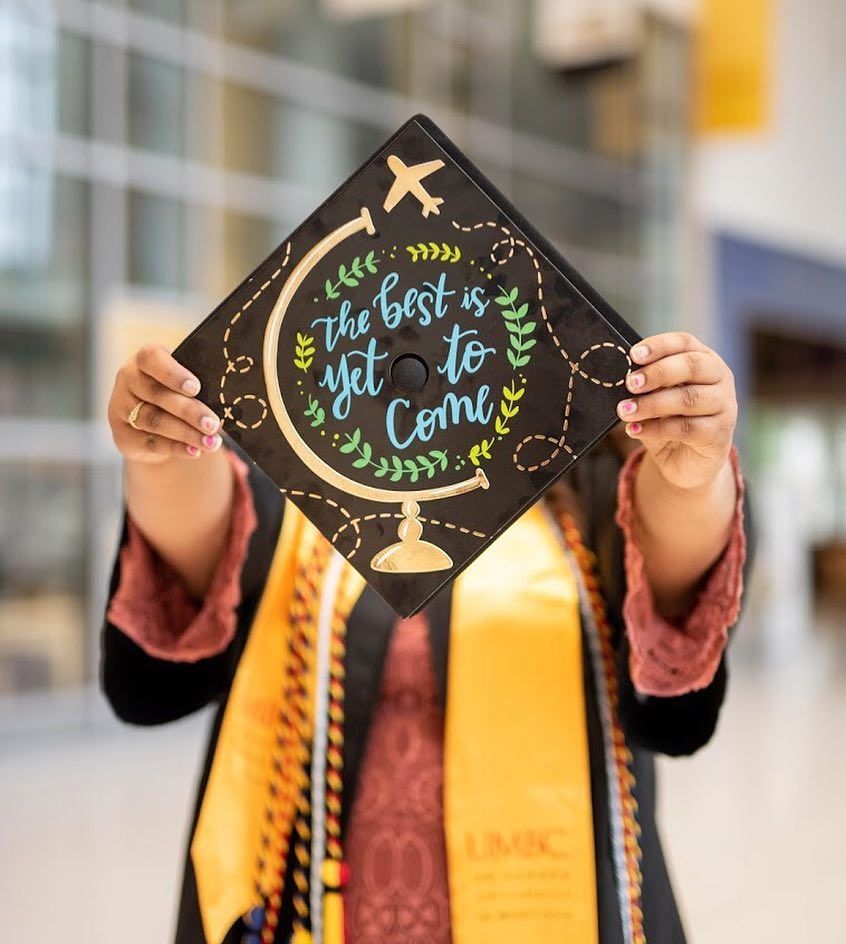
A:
[517,807]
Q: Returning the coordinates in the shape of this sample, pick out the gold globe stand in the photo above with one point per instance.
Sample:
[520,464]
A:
[411,554]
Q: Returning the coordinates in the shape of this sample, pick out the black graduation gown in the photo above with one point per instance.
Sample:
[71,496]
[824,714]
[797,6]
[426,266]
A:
[146,691]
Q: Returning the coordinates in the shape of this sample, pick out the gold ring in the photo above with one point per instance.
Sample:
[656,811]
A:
[132,419]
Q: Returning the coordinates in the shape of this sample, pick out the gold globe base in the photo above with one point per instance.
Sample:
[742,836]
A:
[411,555]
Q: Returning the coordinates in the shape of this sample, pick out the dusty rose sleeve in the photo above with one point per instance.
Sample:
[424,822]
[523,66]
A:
[672,659]
[153,606]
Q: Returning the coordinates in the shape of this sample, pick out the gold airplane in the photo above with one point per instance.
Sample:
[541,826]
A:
[408,181]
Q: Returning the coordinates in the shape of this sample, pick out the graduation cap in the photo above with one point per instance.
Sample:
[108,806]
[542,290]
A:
[414,366]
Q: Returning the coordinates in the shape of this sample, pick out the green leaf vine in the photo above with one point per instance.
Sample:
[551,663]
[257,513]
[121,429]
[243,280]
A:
[480,451]
[508,408]
[520,343]
[304,351]
[519,331]
[352,275]
[442,252]
[315,411]
[394,467]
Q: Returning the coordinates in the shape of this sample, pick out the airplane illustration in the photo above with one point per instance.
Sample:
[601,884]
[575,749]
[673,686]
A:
[408,180]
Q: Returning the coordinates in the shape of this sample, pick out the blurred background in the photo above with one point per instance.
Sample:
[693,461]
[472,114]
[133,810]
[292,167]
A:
[686,155]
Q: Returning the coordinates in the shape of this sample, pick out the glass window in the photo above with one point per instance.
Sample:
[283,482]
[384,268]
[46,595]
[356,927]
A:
[173,10]
[72,84]
[42,577]
[27,70]
[249,117]
[573,217]
[43,296]
[296,143]
[202,133]
[371,49]
[156,241]
[156,104]
[317,150]
[246,241]
[551,105]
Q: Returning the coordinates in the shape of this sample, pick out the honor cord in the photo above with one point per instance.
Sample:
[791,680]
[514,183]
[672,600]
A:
[326,613]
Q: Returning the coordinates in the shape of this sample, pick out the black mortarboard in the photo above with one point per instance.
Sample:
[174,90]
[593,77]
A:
[414,366]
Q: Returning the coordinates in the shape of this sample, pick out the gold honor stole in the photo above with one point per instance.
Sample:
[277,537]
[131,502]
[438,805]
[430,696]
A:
[517,797]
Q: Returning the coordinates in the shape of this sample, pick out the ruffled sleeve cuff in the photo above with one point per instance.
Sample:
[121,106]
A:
[155,609]
[668,659]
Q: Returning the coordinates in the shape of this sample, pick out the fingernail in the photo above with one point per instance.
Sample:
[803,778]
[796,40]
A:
[209,424]
[211,442]
[634,428]
[192,451]
[635,381]
[191,386]
[627,406]
[640,352]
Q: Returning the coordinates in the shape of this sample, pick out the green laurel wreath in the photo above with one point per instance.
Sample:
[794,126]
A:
[426,251]
[358,269]
[436,460]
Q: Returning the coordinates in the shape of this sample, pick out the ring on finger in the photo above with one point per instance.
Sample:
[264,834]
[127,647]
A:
[132,417]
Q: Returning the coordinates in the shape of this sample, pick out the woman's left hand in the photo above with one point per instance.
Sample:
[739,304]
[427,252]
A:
[684,410]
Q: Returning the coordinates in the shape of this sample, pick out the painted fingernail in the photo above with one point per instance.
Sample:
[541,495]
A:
[634,428]
[192,451]
[636,381]
[640,352]
[627,406]
[191,386]
[211,442]
[210,424]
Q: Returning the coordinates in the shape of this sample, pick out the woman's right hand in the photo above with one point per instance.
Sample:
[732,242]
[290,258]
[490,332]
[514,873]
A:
[171,422]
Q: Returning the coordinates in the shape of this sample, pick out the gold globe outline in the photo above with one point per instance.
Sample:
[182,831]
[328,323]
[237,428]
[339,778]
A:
[410,554]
